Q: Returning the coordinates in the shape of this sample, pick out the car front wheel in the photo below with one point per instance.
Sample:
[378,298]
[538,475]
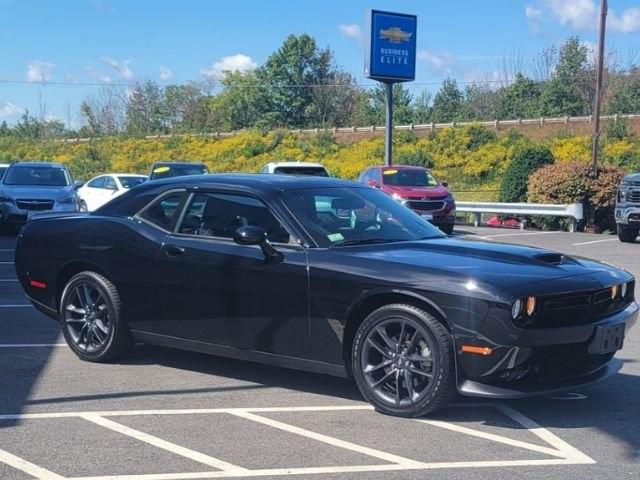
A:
[90,314]
[627,234]
[402,361]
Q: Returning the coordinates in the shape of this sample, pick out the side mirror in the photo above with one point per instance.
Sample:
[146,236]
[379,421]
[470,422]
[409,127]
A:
[253,235]
[444,184]
[373,183]
[77,184]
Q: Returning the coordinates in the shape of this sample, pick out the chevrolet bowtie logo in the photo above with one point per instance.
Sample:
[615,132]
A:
[395,35]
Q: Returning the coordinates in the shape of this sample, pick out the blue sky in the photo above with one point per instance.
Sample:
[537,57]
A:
[120,41]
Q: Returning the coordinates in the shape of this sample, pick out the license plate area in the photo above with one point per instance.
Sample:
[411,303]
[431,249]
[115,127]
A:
[607,339]
[427,216]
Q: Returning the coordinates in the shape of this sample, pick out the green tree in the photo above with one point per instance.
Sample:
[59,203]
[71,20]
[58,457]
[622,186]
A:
[448,104]
[521,99]
[514,183]
[481,102]
[626,97]
[145,112]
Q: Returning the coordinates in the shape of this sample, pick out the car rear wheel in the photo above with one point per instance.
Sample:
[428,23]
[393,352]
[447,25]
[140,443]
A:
[82,206]
[90,314]
[627,234]
[402,361]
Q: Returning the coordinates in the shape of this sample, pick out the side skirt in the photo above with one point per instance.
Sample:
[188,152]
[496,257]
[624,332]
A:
[239,354]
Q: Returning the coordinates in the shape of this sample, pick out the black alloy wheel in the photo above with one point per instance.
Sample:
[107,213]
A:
[90,316]
[403,361]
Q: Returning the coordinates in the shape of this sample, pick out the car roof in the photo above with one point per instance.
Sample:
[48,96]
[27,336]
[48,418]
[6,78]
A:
[177,163]
[37,164]
[257,181]
[122,175]
[401,167]
[295,164]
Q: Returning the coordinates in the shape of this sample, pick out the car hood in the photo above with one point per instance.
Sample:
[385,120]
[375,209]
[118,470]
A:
[419,192]
[35,192]
[491,263]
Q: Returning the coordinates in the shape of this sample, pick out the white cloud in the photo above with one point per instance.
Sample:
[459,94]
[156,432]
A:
[92,72]
[441,62]
[233,63]
[9,109]
[583,15]
[351,30]
[39,71]
[628,22]
[165,74]
[120,66]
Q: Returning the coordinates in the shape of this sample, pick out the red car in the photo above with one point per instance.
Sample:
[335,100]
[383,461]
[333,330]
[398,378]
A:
[416,188]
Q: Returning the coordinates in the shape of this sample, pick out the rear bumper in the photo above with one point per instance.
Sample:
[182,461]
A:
[543,361]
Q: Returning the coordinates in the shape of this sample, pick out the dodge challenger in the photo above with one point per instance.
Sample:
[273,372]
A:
[327,276]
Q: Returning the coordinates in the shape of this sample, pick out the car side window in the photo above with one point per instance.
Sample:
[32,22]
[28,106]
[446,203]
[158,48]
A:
[221,214]
[97,182]
[164,212]
[110,183]
[364,176]
[375,176]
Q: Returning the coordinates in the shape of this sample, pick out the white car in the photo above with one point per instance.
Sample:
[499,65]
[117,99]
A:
[296,168]
[99,190]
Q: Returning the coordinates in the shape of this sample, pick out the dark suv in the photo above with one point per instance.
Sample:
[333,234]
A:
[628,208]
[176,169]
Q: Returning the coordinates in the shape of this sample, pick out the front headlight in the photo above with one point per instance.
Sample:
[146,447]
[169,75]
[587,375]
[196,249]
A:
[5,199]
[67,200]
[396,197]
[623,290]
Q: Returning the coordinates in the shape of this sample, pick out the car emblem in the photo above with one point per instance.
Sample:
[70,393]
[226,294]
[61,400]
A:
[395,35]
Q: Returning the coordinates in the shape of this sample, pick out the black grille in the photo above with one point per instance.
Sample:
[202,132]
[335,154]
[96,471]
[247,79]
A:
[563,362]
[634,196]
[425,205]
[35,204]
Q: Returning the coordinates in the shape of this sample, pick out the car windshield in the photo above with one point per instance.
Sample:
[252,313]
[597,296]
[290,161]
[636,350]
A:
[344,216]
[313,171]
[130,182]
[168,171]
[410,177]
[41,176]
[2,170]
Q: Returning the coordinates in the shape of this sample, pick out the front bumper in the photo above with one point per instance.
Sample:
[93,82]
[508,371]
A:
[10,214]
[628,214]
[543,361]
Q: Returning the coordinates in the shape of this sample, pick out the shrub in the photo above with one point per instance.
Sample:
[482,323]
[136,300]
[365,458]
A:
[514,184]
[572,182]
[571,149]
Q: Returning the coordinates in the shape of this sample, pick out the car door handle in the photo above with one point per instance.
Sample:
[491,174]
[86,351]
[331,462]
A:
[174,250]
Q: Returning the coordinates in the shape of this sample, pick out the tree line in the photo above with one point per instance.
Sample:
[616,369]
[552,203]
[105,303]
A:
[301,86]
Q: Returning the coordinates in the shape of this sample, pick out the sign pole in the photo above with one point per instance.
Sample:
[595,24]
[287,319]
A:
[388,125]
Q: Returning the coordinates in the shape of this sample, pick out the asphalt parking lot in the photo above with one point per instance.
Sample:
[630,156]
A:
[164,414]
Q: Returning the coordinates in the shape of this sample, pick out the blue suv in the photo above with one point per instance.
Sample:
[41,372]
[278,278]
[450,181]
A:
[35,187]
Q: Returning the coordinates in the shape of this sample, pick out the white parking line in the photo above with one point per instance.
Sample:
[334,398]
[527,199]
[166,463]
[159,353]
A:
[32,345]
[388,457]
[565,454]
[163,444]
[28,467]
[595,241]
[518,234]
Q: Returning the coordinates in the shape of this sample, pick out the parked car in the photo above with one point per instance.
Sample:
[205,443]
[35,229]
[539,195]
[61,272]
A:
[296,168]
[34,187]
[416,188]
[3,168]
[103,188]
[328,276]
[628,208]
[176,169]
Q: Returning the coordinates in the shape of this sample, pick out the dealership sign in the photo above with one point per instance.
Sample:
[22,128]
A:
[391,47]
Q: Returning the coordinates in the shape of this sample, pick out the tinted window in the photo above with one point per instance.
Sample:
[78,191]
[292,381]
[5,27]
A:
[165,211]
[97,182]
[168,171]
[313,171]
[414,177]
[43,176]
[130,182]
[2,170]
[110,183]
[344,216]
[220,215]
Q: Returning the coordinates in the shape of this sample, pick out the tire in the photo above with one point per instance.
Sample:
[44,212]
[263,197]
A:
[82,206]
[627,234]
[92,322]
[426,394]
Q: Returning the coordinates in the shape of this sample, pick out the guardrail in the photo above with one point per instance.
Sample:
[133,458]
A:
[573,211]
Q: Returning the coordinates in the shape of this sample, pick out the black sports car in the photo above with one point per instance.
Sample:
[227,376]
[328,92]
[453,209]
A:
[328,276]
